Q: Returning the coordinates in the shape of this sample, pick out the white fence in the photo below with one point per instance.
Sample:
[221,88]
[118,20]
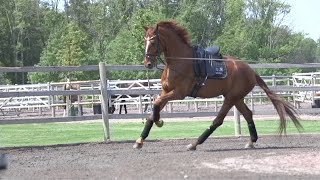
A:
[104,92]
[311,79]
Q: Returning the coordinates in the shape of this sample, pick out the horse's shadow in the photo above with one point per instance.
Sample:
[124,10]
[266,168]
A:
[228,150]
[258,148]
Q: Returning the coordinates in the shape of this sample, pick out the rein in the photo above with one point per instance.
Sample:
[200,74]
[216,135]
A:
[157,56]
[209,59]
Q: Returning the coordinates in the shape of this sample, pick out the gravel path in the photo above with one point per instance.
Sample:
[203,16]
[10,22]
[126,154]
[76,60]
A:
[287,157]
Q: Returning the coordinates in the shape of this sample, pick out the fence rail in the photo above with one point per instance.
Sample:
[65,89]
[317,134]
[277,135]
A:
[136,67]
[104,92]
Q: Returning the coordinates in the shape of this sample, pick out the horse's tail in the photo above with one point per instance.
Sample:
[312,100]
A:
[281,106]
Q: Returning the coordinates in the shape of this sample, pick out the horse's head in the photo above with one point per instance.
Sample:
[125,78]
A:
[174,38]
[152,46]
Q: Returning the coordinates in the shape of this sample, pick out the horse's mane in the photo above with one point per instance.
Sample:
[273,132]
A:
[179,30]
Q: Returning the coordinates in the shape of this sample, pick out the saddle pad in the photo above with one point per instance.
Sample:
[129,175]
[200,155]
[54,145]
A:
[210,69]
[216,69]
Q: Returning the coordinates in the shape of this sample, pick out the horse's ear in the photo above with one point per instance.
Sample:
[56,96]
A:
[145,28]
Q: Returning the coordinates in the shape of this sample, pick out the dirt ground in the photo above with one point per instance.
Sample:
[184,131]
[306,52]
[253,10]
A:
[288,157]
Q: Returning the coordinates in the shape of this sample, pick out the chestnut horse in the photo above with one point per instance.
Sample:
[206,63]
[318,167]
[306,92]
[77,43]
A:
[179,80]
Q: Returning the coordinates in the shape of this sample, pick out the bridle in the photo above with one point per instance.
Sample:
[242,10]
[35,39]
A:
[155,57]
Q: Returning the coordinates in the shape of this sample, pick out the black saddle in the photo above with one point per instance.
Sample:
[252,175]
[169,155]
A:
[214,51]
[208,65]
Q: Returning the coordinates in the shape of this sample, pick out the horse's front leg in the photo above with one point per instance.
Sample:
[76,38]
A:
[158,105]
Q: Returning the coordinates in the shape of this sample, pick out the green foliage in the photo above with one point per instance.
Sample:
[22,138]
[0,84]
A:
[128,47]
[204,19]
[286,71]
[234,39]
[67,47]
[38,33]
[22,35]
[318,51]
[50,57]
[251,32]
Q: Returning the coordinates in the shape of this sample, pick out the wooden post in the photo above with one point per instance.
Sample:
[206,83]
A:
[237,124]
[140,105]
[274,82]
[313,82]
[66,111]
[92,98]
[50,100]
[40,108]
[252,101]
[260,98]
[170,107]
[80,109]
[215,106]
[196,106]
[104,100]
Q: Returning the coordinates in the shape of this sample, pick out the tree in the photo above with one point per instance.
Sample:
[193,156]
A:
[37,32]
[204,19]
[23,35]
[68,47]
[51,56]
[318,51]
[128,47]
[234,39]
[263,19]
[304,51]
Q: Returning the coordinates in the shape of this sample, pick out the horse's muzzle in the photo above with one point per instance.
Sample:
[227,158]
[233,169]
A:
[149,65]
[149,61]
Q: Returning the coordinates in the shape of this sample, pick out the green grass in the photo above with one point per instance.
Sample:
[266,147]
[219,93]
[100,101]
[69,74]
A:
[65,133]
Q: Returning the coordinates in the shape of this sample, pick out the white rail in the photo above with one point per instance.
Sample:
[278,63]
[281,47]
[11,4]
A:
[94,90]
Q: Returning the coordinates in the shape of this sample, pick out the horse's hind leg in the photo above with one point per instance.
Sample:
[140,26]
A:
[216,123]
[247,114]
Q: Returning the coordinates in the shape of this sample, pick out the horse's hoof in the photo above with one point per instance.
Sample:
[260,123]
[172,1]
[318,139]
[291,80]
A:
[249,146]
[191,147]
[137,145]
[159,123]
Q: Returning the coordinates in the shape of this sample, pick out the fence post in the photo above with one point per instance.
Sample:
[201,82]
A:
[313,82]
[104,100]
[237,124]
[140,105]
[51,101]
[274,82]
[215,106]
[252,101]
[40,108]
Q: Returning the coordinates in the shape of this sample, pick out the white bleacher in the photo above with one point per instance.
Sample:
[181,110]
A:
[305,80]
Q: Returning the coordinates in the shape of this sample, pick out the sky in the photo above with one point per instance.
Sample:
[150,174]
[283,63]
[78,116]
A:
[304,17]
